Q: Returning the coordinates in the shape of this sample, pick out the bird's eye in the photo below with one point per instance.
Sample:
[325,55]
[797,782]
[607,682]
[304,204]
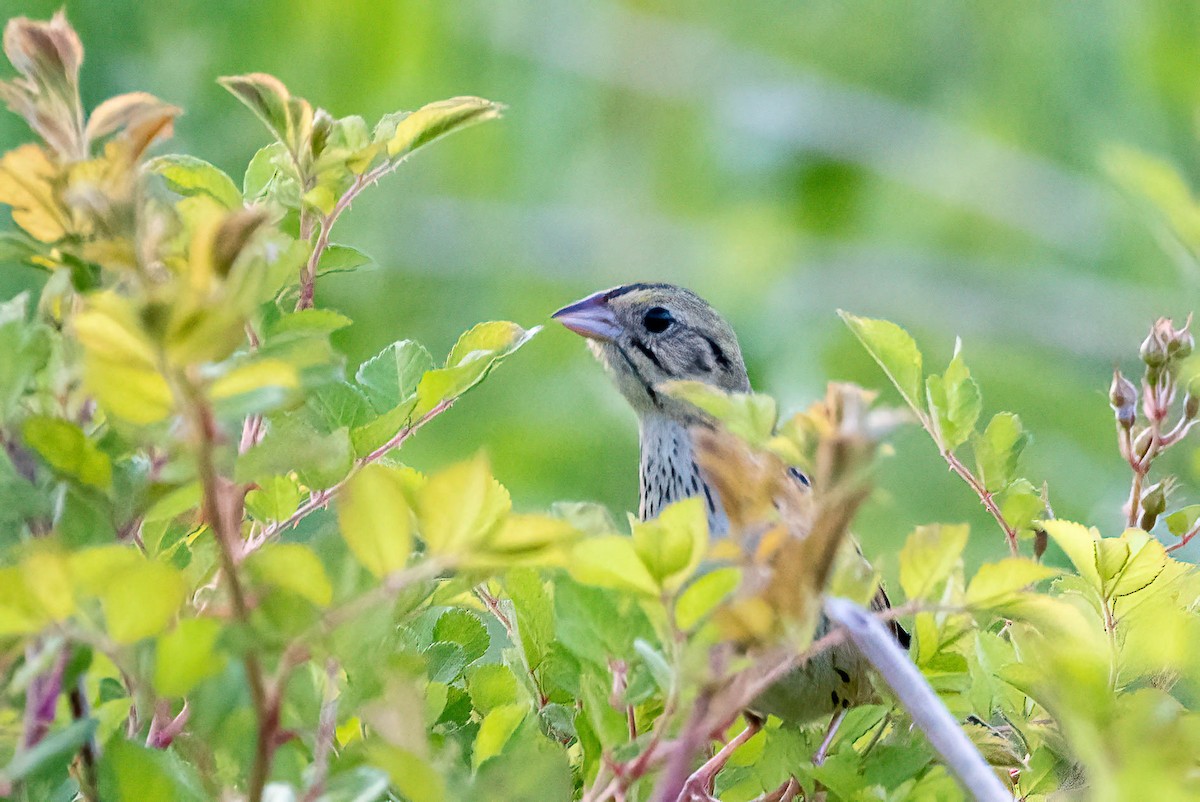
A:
[657,320]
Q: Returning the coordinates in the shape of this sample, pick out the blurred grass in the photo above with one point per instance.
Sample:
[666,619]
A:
[934,163]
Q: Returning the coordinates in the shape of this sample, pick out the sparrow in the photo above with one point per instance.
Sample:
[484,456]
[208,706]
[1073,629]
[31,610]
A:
[646,335]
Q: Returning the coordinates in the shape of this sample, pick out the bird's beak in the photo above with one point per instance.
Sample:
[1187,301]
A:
[592,318]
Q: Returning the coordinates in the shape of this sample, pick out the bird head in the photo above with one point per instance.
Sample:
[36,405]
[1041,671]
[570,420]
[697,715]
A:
[648,334]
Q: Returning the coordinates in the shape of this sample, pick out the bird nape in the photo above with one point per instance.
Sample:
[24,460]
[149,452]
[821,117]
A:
[647,335]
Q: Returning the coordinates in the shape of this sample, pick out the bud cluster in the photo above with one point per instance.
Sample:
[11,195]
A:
[1163,352]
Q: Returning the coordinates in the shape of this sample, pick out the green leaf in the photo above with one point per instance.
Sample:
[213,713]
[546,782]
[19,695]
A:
[495,730]
[995,583]
[338,405]
[894,350]
[750,416]
[188,176]
[413,777]
[320,321]
[341,259]
[928,557]
[56,747]
[534,611]
[1021,504]
[375,434]
[1144,559]
[187,655]
[611,561]
[1079,544]
[141,600]
[492,685]
[26,349]
[275,499]
[673,544]
[955,402]
[263,169]
[405,134]
[701,598]
[464,628]
[1183,519]
[475,353]
[293,567]
[68,450]
[319,460]
[47,578]
[288,118]
[461,507]
[445,662]
[376,520]
[392,375]
[998,449]
[131,771]
[594,624]
[255,386]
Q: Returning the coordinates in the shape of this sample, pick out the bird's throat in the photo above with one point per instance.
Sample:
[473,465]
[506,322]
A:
[669,472]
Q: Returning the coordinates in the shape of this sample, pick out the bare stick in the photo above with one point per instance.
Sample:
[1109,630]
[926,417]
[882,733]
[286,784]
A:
[919,699]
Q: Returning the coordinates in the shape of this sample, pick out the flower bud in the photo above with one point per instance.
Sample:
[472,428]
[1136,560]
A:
[1122,396]
[1141,444]
[1040,541]
[1154,500]
[322,125]
[1181,347]
[1154,348]
[1191,406]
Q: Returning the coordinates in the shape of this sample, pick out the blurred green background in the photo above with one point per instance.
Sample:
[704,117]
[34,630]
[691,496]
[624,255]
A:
[934,163]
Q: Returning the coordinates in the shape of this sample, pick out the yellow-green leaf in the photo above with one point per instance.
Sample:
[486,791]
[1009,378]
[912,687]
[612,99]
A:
[376,520]
[254,376]
[20,614]
[68,450]
[1147,559]
[437,119]
[186,655]
[293,567]
[998,449]
[894,350]
[475,353]
[461,507]
[672,545]
[928,557]
[1079,544]
[140,601]
[700,598]
[413,777]
[610,561]
[954,401]
[526,540]
[750,416]
[995,583]
[188,175]
[47,577]
[495,730]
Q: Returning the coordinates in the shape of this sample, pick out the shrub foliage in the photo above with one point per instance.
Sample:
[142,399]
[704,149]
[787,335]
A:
[219,580]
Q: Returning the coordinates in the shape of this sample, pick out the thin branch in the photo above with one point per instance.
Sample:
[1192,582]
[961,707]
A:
[321,498]
[878,646]
[225,520]
[326,731]
[89,752]
[985,496]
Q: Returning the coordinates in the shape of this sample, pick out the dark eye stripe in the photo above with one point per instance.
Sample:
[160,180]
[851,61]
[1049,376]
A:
[641,346]
[637,374]
[717,353]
